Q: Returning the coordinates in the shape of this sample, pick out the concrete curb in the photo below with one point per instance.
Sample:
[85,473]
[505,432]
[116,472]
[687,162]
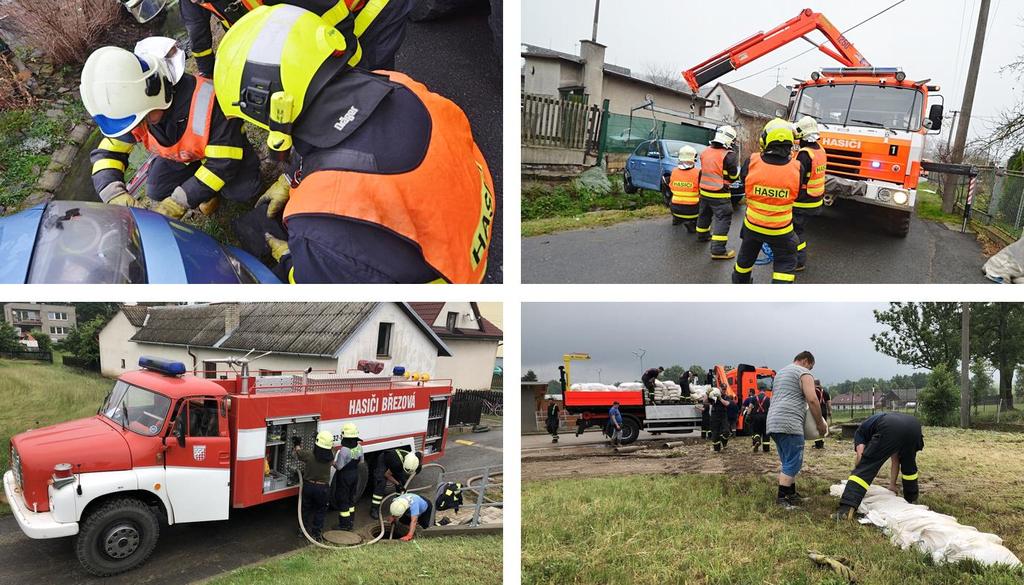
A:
[60,164]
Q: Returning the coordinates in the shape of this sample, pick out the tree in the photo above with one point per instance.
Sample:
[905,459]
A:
[999,329]
[554,387]
[9,337]
[1018,384]
[665,77]
[923,335]
[84,341]
[43,339]
[938,403]
[530,376]
[86,312]
[672,373]
[981,381]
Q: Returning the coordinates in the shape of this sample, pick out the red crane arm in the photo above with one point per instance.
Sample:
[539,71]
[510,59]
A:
[759,45]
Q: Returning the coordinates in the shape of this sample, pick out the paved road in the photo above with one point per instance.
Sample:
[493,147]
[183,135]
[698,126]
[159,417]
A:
[455,57]
[190,552]
[655,251]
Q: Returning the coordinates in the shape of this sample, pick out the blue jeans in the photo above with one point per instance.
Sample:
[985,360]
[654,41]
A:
[791,452]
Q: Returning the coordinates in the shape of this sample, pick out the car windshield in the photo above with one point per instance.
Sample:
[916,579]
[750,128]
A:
[673,146]
[765,383]
[137,409]
[870,106]
[80,243]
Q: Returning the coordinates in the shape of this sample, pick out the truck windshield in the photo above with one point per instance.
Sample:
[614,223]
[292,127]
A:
[137,409]
[870,106]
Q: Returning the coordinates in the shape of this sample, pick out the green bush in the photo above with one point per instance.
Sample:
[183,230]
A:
[571,199]
[940,400]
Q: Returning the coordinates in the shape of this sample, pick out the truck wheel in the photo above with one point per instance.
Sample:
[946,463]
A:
[117,537]
[627,184]
[630,430]
[897,223]
[364,478]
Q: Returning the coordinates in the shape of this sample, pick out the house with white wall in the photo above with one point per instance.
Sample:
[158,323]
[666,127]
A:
[290,337]
[474,342]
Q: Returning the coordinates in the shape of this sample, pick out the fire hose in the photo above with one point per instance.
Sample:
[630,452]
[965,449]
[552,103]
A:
[380,512]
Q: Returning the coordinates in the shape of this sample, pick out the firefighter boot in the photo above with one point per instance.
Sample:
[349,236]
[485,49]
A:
[844,513]
[764,446]
[374,512]
[345,522]
[717,446]
[819,444]
[756,441]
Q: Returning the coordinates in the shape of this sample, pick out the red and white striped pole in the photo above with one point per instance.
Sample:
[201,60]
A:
[970,200]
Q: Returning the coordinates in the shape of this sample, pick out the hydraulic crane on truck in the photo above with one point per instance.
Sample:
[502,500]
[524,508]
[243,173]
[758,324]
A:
[873,119]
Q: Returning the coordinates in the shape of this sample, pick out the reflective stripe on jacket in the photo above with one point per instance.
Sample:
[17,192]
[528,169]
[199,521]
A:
[192,144]
[684,186]
[445,206]
[771,191]
[812,191]
[712,173]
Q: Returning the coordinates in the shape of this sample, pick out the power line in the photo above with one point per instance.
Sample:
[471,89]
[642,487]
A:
[816,46]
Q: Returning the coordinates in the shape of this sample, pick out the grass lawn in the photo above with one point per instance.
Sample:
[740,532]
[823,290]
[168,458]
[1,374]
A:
[469,560]
[593,219]
[724,528]
[37,394]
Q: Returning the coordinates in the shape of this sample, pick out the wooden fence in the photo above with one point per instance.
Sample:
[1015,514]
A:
[39,356]
[549,121]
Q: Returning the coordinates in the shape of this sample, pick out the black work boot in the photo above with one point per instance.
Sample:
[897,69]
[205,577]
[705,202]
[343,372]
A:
[374,512]
[691,227]
[717,447]
[794,495]
[764,446]
[819,444]
[782,498]
[756,442]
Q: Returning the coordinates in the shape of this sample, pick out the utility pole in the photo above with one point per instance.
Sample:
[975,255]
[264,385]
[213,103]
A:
[639,354]
[948,194]
[597,16]
[949,141]
[965,358]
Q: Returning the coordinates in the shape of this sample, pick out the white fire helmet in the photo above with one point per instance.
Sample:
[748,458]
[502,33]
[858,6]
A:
[399,506]
[687,157]
[725,135]
[807,129]
[410,463]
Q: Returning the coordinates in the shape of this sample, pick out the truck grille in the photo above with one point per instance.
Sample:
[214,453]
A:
[844,163]
[16,466]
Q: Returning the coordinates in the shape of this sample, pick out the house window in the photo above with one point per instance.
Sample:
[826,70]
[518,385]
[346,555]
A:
[59,330]
[384,340]
[57,316]
[25,315]
[210,370]
[453,319]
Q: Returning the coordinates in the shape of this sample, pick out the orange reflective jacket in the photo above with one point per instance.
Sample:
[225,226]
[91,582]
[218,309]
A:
[771,191]
[192,144]
[683,184]
[445,206]
[812,191]
[712,173]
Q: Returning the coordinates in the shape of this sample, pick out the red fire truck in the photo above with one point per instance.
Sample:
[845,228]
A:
[638,413]
[166,446]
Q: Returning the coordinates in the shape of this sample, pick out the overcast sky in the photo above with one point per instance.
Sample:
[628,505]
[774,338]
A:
[838,334]
[927,38]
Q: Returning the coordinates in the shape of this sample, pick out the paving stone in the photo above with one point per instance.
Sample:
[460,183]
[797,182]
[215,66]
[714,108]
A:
[50,181]
[65,155]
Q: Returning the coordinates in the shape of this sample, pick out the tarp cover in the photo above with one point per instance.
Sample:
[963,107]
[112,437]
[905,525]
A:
[938,535]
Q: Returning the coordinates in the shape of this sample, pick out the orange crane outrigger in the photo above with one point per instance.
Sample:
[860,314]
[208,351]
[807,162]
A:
[759,45]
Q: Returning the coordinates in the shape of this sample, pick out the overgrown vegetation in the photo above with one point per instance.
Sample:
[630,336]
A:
[725,529]
[36,395]
[30,137]
[64,31]
[550,208]
[429,561]
[940,399]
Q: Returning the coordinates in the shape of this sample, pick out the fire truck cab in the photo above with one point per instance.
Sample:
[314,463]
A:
[167,446]
[745,378]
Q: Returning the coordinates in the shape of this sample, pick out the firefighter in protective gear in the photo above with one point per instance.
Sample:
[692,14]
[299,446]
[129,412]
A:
[346,476]
[755,415]
[146,97]
[449,496]
[772,180]
[394,467]
[719,167]
[315,481]
[813,165]
[649,378]
[377,27]
[552,422]
[410,510]
[889,435]
[390,185]
[719,404]
[685,186]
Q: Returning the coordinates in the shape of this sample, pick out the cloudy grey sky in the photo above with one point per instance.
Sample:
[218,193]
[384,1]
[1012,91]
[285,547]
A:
[838,334]
[927,38]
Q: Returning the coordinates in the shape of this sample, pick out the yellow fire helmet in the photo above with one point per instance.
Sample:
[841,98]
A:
[777,130]
[273,62]
[349,431]
[324,440]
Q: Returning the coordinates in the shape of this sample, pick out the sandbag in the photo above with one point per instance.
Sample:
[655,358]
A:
[810,428]
[1007,266]
[937,535]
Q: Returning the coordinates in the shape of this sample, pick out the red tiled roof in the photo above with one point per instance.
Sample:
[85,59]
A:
[429,312]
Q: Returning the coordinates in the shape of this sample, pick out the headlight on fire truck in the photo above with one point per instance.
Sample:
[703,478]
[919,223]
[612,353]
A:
[900,197]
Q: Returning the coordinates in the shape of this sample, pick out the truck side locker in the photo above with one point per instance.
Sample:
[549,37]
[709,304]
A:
[437,424]
[280,458]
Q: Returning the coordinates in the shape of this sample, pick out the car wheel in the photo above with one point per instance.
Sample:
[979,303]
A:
[897,223]
[666,192]
[117,537]
[627,183]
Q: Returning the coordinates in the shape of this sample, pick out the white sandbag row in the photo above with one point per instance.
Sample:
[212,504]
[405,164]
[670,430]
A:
[593,387]
[699,391]
[938,535]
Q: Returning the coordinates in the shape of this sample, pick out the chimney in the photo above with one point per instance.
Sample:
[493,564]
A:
[592,54]
[231,316]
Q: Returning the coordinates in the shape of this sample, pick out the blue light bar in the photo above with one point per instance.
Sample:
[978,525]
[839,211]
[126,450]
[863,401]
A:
[860,70]
[160,365]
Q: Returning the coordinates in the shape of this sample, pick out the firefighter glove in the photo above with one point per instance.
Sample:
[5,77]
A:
[276,196]
[174,206]
[209,207]
[278,248]
[116,194]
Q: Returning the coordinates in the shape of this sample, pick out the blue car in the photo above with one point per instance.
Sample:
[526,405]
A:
[652,161]
[77,242]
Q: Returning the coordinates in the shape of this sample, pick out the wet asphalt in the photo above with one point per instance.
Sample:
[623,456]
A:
[189,552]
[840,250]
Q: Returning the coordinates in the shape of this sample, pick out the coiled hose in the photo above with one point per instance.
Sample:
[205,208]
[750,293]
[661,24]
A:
[380,512]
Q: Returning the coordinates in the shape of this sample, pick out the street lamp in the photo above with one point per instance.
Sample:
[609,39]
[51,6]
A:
[639,354]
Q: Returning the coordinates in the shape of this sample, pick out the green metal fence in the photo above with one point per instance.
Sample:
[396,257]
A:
[625,134]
